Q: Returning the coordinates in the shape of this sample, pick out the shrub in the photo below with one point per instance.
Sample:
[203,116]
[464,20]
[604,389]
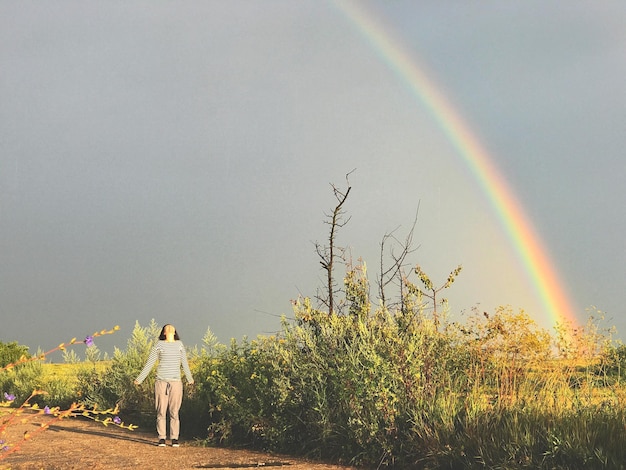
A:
[12,352]
[396,390]
[21,380]
[113,386]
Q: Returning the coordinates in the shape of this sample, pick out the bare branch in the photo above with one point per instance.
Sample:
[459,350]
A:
[394,271]
[328,254]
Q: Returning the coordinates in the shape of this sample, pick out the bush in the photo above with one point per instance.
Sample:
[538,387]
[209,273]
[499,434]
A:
[395,390]
[12,352]
[339,387]
[113,386]
[21,380]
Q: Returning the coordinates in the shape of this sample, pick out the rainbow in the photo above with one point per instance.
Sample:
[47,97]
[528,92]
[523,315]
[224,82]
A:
[528,246]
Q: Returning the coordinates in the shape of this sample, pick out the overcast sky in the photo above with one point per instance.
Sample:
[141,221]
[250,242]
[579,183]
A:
[173,160]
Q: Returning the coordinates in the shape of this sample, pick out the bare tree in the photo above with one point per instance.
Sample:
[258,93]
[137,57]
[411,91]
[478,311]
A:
[329,253]
[387,275]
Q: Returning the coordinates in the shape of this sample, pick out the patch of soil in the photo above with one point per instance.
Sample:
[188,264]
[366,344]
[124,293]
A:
[75,443]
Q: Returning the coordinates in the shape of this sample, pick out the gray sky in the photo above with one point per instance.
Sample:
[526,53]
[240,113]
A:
[173,160]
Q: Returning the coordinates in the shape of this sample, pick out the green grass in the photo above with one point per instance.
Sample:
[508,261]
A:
[378,390]
[69,371]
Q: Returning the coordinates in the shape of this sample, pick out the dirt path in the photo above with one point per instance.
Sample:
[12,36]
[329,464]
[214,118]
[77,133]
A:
[82,444]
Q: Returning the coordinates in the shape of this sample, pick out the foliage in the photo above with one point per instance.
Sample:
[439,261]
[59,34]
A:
[21,381]
[112,386]
[26,371]
[12,352]
[381,388]
[430,291]
[615,366]
[70,357]
[377,388]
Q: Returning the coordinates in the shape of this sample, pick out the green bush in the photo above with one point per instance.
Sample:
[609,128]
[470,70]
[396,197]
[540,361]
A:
[25,378]
[21,380]
[113,386]
[339,387]
[12,352]
[396,390]
[59,391]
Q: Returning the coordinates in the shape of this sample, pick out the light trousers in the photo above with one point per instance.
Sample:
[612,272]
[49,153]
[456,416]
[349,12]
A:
[168,396]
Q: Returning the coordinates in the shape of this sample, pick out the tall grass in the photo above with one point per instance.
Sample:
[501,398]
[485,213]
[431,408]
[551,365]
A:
[384,389]
[381,390]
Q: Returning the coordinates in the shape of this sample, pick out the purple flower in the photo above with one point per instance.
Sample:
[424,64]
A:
[117,420]
[9,396]
[46,410]
[89,341]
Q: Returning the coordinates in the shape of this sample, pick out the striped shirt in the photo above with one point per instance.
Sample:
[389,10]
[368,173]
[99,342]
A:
[171,355]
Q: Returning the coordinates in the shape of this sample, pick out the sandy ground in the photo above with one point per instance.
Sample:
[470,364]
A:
[74,443]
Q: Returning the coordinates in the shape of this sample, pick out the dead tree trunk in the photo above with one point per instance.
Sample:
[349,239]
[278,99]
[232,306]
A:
[328,253]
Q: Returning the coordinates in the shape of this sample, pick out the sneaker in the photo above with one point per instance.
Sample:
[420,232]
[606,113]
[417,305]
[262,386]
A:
[161,443]
[174,442]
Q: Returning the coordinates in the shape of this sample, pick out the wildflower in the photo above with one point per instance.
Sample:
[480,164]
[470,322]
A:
[117,420]
[9,396]
[47,410]
[89,341]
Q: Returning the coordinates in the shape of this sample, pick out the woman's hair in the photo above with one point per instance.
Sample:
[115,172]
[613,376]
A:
[162,335]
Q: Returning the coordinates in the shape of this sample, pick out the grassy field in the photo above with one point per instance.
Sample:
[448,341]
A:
[70,371]
[383,390]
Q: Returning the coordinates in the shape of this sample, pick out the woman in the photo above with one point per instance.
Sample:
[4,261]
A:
[168,387]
